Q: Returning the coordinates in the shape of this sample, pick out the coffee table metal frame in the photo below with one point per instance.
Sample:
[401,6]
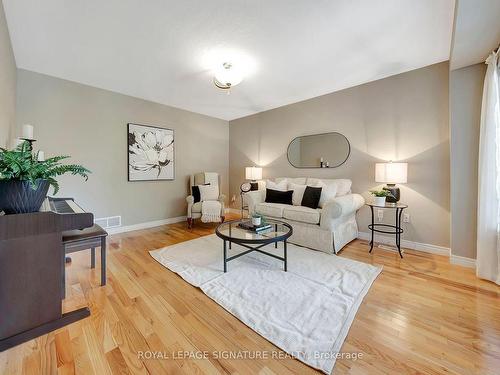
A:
[260,242]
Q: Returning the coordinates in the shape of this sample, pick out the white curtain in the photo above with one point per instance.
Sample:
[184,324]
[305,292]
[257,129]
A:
[488,210]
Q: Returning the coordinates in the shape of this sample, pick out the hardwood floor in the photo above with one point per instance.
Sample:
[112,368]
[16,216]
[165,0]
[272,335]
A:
[422,315]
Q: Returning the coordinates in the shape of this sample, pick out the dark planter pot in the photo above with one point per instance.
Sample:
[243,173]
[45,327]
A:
[19,197]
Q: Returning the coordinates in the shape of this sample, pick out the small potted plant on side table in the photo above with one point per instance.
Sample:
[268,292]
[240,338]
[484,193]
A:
[379,197]
[25,180]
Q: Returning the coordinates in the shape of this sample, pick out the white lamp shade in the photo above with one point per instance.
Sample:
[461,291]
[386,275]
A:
[253,173]
[391,173]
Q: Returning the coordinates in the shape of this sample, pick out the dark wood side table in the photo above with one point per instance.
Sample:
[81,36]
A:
[386,228]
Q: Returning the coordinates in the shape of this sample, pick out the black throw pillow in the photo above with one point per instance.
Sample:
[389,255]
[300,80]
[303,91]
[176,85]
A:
[196,192]
[276,196]
[311,197]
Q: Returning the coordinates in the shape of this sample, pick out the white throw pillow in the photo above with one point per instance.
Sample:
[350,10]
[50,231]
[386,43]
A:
[328,192]
[281,186]
[293,180]
[298,193]
[343,186]
[209,192]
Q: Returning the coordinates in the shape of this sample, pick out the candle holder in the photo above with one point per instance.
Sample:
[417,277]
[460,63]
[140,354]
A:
[30,141]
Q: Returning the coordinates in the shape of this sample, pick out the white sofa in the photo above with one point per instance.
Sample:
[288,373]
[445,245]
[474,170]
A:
[328,228]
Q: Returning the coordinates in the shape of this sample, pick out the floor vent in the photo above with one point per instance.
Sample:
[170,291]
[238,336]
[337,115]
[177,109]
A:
[109,222]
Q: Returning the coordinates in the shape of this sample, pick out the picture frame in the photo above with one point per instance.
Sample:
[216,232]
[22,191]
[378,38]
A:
[150,153]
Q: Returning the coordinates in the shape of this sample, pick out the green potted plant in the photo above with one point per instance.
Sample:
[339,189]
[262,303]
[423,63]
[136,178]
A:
[379,197]
[25,181]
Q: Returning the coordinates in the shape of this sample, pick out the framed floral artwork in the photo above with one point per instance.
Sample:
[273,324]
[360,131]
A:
[150,153]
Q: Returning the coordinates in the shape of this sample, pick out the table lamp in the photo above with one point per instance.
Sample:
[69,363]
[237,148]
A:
[253,174]
[391,174]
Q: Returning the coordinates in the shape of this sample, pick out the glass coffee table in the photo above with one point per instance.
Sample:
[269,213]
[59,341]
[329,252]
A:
[230,233]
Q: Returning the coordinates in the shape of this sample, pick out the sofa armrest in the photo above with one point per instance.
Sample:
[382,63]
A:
[252,198]
[340,207]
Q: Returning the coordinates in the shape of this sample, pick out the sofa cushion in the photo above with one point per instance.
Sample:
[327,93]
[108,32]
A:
[280,186]
[271,209]
[343,185]
[208,192]
[328,192]
[302,214]
[276,196]
[298,193]
[311,197]
[195,192]
[293,180]
[331,188]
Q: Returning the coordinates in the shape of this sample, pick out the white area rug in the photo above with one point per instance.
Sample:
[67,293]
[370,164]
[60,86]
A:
[306,311]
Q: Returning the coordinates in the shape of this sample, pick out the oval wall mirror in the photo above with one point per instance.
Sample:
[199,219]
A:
[327,150]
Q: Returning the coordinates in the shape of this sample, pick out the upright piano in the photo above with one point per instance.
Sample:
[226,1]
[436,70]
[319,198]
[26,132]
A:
[31,268]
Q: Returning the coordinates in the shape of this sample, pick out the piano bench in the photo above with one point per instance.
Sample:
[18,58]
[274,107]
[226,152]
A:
[88,238]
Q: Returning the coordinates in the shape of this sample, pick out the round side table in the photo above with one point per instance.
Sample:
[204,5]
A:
[388,228]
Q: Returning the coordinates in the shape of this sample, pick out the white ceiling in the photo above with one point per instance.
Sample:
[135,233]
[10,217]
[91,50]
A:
[157,49]
[477,32]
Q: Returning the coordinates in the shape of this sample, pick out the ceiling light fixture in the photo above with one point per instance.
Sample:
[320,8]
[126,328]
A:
[227,76]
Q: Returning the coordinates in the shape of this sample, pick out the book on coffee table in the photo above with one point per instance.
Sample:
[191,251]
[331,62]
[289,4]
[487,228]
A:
[247,225]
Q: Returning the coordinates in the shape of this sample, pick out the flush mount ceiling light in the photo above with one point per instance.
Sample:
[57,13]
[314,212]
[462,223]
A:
[227,76]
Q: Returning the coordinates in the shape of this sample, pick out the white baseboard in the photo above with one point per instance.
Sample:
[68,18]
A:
[390,240]
[387,240]
[149,224]
[462,261]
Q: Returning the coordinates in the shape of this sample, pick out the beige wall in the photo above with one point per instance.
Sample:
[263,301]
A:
[7,83]
[90,124]
[403,117]
[466,87]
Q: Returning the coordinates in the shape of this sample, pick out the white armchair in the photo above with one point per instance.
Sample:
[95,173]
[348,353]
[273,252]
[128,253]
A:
[194,208]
